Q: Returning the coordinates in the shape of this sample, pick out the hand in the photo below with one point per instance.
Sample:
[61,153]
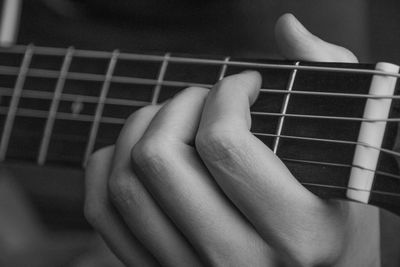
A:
[187,184]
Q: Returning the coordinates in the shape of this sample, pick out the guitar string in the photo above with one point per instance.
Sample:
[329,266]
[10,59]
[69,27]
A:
[81,76]
[51,51]
[88,118]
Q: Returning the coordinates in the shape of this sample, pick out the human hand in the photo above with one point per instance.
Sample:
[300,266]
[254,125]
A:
[187,184]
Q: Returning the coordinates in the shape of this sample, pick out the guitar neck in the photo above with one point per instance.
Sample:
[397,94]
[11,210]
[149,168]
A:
[59,105]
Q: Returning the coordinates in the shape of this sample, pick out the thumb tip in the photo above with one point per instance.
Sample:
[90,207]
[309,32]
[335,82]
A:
[289,24]
[288,27]
[285,18]
[293,39]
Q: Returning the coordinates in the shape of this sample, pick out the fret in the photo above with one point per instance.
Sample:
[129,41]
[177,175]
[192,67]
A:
[19,84]
[100,106]
[54,106]
[284,108]
[223,69]
[163,70]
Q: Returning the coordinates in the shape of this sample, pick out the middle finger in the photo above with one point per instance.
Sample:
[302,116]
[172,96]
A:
[171,170]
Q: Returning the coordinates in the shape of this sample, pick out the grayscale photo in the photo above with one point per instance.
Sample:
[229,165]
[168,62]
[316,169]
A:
[221,133]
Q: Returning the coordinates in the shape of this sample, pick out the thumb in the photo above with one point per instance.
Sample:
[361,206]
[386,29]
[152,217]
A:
[295,42]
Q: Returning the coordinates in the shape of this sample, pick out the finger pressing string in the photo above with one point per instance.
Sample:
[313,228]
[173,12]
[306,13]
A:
[251,175]
[171,170]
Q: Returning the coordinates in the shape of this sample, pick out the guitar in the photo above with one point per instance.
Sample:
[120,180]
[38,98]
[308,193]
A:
[334,125]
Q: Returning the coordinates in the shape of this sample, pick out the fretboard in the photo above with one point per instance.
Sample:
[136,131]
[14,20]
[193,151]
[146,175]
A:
[58,105]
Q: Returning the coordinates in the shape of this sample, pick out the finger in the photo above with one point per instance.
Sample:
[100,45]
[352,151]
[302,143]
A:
[141,213]
[297,43]
[172,171]
[103,217]
[251,175]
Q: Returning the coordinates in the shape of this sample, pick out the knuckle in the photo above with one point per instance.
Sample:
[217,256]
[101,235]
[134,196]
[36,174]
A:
[125,191]
[149,152]
[218,144]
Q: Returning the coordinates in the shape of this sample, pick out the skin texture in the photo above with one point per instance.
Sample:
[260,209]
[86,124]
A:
[187,184]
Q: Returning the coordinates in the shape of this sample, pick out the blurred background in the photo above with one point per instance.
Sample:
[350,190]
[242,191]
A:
[41,218]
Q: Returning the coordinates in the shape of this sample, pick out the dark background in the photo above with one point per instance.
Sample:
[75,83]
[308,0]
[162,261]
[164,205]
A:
[236,27]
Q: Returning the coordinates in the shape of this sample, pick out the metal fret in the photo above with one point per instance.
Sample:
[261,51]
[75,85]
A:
[54,106]
[19,85]
[284,108]
[100,106]
[163,70]
[223,69]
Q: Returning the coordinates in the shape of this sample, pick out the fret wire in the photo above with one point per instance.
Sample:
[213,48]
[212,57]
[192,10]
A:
[44,145]
[284,109]
[161,74]
[223,69]
[141,57]
[19,84]
[100,106]
[43,73]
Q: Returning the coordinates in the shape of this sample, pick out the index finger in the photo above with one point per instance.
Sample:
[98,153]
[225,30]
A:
[249,173]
